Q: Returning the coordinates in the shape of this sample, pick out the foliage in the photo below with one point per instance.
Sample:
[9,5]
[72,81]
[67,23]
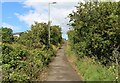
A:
[37,37]
[13,62]
[24,58]
[95,30]
[56,37]
[89,69]
[20,64]
[6,35]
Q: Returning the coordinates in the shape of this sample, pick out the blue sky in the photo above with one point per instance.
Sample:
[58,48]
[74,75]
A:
[20,15]
[10,19]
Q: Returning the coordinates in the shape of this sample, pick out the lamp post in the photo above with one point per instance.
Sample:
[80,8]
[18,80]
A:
[49,23]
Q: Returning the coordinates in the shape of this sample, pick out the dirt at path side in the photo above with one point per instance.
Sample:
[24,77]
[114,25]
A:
[60,69]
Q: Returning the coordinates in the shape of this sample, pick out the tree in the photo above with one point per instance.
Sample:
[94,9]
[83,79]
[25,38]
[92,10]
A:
[6,35]
[96,30]
[37,37]
[56,35]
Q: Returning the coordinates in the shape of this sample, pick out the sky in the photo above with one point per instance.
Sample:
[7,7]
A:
[20,14]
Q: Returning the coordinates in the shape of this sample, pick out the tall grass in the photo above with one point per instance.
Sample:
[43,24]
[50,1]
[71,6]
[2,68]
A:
[91,70]
[94,71]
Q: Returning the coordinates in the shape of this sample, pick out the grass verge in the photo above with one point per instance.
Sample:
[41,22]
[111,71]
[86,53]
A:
[89,69]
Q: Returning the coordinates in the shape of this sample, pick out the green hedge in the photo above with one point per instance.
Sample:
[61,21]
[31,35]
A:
[91,70]
[20,64]
[96,31]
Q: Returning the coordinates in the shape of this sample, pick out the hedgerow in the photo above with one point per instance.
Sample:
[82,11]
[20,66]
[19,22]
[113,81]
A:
[20,64]
[96,31]
[25,57]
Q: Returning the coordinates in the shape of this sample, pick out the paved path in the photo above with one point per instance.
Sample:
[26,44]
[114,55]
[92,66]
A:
[60,69]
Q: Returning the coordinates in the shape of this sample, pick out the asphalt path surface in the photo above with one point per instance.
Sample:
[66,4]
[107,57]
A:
[60,69]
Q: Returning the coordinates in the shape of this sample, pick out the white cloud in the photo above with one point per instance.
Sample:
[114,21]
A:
[29,1]
[58,12]
[10,26]
[32,16]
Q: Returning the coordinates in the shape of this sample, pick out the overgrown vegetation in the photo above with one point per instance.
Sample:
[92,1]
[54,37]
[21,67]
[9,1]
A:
[89,69]
[95,33]
[37,37]
[6,35]
[28,55]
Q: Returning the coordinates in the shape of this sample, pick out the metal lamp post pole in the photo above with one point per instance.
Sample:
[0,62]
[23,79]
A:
[49,23]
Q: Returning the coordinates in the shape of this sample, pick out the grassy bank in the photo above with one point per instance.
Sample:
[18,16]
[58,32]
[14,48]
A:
[89,69]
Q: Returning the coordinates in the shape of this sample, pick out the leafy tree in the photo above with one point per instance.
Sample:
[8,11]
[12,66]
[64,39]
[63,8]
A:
[56,35]
[24,61]
[6,35]
[37,37]
[96,30]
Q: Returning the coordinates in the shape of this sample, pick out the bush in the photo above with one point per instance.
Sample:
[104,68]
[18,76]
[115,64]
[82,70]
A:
[37,37]
[6,35]
[91,70]
[20,64]
[95,30]
[12,62]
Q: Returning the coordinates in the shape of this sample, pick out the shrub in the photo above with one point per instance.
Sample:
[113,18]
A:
[20,64]
[95,30]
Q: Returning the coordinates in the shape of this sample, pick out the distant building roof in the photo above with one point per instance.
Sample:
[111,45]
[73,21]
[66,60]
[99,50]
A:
[18,33]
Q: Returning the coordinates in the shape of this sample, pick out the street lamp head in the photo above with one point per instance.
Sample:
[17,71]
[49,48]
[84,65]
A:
[54,2]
